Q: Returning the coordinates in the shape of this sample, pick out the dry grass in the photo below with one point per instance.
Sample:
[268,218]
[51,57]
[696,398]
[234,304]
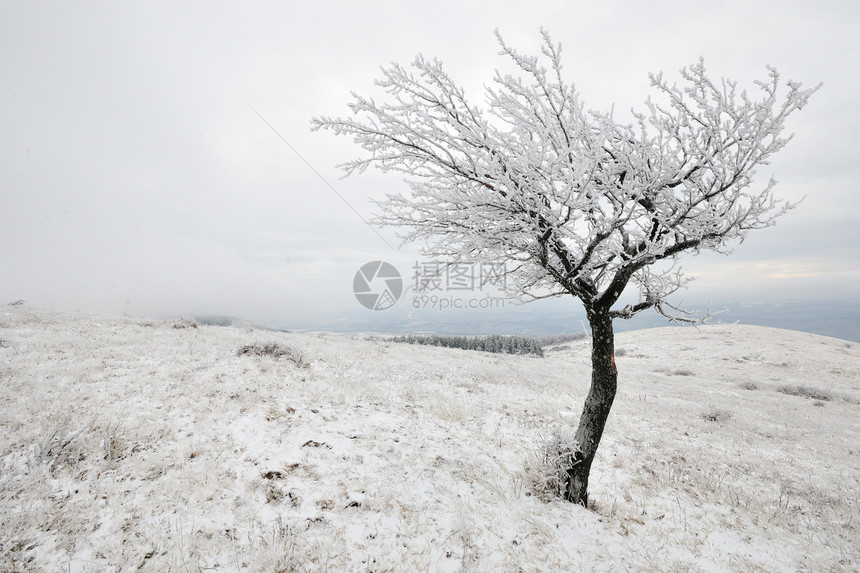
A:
[546,474]
[716,415]
[273,350]
[806,392]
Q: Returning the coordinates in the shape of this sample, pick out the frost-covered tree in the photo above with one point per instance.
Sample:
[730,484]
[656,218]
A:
[575,202]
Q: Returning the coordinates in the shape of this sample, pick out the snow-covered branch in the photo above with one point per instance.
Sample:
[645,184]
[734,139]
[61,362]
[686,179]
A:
[583,204]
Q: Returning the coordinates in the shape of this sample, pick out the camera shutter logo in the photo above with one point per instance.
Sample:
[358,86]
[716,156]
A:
[377,285]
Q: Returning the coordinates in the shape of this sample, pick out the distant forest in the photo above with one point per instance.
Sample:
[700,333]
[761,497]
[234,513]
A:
[492,343]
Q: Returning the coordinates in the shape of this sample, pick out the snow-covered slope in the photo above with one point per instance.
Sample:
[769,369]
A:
[128,444]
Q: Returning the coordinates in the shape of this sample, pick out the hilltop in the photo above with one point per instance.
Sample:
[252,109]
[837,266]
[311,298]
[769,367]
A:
[164,445]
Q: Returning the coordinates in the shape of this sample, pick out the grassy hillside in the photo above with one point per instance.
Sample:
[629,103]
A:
[128,444]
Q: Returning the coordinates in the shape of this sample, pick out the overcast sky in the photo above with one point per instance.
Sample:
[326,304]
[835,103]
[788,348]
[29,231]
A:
[136,176]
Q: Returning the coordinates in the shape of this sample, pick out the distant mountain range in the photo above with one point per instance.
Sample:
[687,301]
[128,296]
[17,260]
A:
[836,318]
[839,319]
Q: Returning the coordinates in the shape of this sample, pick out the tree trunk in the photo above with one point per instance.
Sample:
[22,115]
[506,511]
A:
[604,379]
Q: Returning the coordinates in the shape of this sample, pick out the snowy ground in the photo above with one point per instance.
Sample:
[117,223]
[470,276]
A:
[130,444]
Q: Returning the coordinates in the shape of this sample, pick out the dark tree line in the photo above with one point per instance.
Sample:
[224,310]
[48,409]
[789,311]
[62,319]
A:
[492,343]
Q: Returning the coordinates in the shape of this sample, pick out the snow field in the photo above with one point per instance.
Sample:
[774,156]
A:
[150,445]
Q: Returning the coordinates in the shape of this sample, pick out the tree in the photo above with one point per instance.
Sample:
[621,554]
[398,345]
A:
[576,202]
